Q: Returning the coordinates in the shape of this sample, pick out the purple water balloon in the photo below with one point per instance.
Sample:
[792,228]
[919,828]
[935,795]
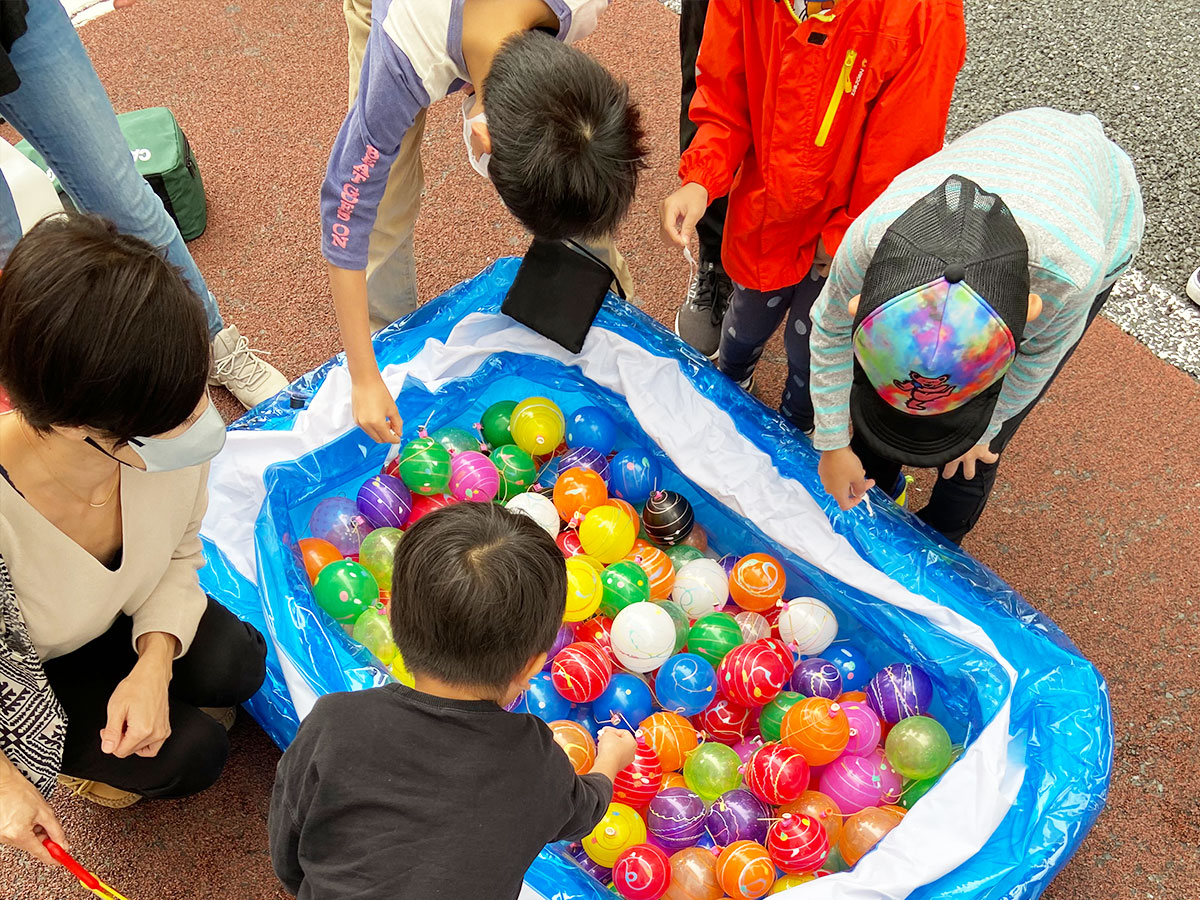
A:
[727,562]
[817,677]
[865,728]
[385,501]
[585,458]
[737,815]
[589,865]
[337,520]
[675,818]
[566,634]
[899,691]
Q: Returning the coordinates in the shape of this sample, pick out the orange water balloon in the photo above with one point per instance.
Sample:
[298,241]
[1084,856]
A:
[624,506]
[577,743]
[317,554]
[577,492]
[864,830]
[672,779]
[757,582]
[671,736]
[818,728]
[658,568]
[820,807]
[745,870]
[694,876]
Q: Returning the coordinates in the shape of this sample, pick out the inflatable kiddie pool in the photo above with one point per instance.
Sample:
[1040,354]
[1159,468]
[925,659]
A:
[1032,712]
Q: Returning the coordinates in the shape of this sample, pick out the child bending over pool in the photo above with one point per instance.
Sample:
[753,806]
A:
[437,791]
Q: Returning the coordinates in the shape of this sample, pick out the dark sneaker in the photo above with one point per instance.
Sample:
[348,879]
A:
[698,321]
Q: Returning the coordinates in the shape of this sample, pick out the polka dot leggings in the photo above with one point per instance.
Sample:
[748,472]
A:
[750,321]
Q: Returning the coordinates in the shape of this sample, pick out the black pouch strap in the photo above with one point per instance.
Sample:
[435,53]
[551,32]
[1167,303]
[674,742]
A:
[575,245]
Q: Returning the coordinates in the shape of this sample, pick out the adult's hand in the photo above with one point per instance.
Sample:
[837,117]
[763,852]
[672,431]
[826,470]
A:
[978,453]
[681,211]
[26,819]
[843,476]
[139,719]
[375,409]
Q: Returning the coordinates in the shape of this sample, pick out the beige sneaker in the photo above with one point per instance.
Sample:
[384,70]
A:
[99,793]
[225,715]
[242,370]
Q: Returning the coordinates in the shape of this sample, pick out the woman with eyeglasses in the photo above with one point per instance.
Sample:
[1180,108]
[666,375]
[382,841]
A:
[119,675]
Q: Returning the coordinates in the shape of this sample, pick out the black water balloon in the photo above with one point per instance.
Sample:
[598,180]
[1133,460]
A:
[668,517]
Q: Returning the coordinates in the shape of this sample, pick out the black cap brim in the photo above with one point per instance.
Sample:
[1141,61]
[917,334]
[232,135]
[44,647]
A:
[921,441]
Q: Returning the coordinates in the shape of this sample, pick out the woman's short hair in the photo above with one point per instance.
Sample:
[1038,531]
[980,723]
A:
[98,330]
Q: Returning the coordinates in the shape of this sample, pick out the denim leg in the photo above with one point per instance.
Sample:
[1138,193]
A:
[749,322]
[62,109]
[10,223]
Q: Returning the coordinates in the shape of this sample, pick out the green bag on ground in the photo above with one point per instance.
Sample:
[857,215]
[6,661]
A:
[164,158]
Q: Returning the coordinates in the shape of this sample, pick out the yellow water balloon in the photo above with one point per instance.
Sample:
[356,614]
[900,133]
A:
[607,534]
[583,589]
[537,425]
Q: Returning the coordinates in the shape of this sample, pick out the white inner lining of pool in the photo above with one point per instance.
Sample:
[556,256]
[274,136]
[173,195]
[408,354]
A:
[949,825]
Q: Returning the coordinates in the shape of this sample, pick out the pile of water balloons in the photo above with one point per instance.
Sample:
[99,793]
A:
[768,753]
[349,555]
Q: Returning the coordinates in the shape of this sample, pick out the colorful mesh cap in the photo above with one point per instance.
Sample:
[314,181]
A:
[942,312]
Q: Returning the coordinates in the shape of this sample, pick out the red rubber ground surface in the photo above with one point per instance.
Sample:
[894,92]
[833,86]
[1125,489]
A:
[1094,518]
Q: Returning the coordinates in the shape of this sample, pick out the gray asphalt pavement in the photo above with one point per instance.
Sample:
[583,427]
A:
[1136,67]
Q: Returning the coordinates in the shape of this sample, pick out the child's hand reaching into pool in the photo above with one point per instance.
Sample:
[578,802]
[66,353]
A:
[843,477]
[614,751]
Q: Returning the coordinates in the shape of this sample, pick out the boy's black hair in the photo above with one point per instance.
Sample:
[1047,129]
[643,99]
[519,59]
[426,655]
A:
[476,592]
[567,142]
[98,330]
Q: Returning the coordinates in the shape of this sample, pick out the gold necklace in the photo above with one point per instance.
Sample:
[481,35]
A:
[45,465]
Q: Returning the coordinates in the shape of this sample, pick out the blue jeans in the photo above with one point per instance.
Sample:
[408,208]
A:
[62,109]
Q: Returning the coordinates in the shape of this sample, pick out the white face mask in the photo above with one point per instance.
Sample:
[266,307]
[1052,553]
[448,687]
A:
[202,441]
[478,163]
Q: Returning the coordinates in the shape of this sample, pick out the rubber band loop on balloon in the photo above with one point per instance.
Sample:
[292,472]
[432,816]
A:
[693,271]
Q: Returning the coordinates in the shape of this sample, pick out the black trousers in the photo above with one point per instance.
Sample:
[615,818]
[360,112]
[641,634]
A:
[224,666]
[691,29]
[956,503]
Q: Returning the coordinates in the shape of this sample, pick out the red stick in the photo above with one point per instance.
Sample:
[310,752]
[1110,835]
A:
[68,862]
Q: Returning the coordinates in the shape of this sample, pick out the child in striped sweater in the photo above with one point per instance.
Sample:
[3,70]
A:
[957,297]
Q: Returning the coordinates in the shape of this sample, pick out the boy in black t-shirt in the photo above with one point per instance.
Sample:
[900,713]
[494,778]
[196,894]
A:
[395,793]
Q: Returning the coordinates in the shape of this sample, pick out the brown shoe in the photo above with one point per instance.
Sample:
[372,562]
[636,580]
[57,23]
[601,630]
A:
[98,793]
[226,715]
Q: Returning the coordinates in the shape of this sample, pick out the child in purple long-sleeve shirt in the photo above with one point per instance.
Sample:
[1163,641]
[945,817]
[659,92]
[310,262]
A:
[554,132]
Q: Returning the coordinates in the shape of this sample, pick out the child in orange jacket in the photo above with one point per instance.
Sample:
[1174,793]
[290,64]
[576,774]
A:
[805,113]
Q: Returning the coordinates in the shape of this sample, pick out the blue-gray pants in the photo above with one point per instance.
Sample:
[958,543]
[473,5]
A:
[750,321]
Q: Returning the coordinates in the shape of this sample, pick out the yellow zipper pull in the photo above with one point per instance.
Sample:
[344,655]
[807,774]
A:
[843,86]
